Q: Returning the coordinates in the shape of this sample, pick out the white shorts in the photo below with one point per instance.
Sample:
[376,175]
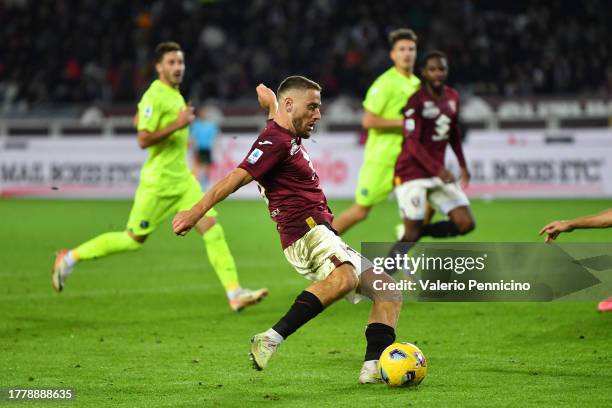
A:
[319,252]
[412,197]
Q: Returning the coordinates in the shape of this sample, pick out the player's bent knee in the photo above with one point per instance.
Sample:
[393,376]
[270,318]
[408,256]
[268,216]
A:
[140,239]
[411,235]
[465,226]
[344,278]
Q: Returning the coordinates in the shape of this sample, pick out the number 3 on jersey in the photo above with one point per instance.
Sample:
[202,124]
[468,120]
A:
[442,127]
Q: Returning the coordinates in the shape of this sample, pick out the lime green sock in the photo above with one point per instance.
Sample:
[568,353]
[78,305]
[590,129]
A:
[220,257]
[105,244]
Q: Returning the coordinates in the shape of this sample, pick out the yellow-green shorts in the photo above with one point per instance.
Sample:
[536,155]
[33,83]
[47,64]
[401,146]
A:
[150,208]
[375,183]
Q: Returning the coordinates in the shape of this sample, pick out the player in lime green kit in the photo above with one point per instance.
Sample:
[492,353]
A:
[166,184]
[383,119]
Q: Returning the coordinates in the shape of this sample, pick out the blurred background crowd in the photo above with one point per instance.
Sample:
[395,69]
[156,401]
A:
[67,51]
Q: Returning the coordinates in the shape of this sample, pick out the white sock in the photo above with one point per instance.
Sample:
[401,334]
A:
[271,333]
[69,259]
[232,294]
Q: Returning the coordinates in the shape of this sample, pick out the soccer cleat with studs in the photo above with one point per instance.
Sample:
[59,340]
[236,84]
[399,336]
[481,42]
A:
[369,373]
[60,270]
[247,297]
[262,348]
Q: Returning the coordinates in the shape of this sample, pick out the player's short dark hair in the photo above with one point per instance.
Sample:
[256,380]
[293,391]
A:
[165,47]
[402,34]
[297,82]
[433,54]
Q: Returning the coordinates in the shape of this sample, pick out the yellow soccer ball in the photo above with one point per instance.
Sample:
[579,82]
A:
[402,365]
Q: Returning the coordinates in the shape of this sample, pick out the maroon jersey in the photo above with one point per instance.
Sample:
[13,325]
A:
[430,123]
[288,181]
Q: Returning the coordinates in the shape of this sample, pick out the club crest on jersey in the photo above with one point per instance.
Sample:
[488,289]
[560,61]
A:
[254,156]
[452,105]
[430,110]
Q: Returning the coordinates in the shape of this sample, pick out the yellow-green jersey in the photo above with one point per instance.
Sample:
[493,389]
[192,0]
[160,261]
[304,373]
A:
[386,97]
[166,170]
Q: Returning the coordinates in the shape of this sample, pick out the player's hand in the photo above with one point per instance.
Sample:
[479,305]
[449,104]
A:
[184,221]
[185,116]
[446,176]
[265,96]
[553,230]
[465,178]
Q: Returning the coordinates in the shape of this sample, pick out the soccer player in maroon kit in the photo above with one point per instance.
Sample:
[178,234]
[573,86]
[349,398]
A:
[280,165]
[430,123]
[601,220]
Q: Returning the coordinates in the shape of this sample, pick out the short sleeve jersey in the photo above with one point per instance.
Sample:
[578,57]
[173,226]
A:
[166,169]
[386,98]
[432,123]
[288,182]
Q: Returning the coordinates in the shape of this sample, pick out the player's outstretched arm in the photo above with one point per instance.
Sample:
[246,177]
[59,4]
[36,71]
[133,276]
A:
[553,229]
[372,120]
[146,138]
[185,220]
[267,100]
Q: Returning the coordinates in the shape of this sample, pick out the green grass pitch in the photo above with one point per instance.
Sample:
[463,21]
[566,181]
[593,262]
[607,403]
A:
[153,329]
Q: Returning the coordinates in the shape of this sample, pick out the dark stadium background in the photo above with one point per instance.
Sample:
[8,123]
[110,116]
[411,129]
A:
[152,329]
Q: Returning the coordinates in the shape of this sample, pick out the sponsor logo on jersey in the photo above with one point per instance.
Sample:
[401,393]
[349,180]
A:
[254,156]
[148,112]
[265,142]
[409,112]
[430,110]
[409,125]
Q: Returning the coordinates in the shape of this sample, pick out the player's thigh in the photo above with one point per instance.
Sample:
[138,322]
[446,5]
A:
[319,252]
[148,211]
[191,196]
[448,196]
[412,199]
[374,185]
